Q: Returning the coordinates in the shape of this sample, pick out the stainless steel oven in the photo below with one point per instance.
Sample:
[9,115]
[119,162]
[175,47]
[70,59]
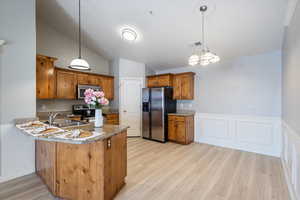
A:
[81,89]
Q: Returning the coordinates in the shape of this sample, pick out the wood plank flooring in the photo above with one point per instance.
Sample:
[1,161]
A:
[171,171]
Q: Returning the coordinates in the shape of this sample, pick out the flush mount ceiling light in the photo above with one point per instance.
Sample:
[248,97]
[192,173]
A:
[129,34]
[79,63]
[204,57]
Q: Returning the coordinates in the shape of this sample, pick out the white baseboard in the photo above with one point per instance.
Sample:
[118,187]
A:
[248,133]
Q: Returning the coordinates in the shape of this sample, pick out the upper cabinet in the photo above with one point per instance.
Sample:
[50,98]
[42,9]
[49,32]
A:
[45,77]
[184,86]
[65,84]
[94,80]
[82,79]
[161,80]
[60,83]
[107,85]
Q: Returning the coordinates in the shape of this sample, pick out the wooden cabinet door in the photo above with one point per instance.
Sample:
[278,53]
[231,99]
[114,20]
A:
[164,81]
[45,164]
[45,78]
[82,79]
[112,118]
[93,80]
[152,82]
[107,85]
[65,84]
[187,87]
[171,128]
[177,87]
[180,132]
[115,164]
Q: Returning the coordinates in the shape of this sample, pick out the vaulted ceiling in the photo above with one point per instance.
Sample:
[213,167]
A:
[234,28]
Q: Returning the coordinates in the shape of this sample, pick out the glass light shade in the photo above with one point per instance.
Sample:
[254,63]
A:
[129,34]
[194,60]
[215,59]
[79,64]
[207,58]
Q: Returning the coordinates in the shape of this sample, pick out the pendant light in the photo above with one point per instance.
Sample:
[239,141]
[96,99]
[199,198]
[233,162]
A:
[205,57]
[79,63]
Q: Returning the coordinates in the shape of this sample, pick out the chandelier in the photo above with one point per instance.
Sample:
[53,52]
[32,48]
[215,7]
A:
[204,56]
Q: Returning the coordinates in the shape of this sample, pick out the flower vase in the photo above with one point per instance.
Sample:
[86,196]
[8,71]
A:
[98,118]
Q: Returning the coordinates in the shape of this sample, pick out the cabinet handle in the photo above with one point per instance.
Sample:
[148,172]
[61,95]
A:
[109,143]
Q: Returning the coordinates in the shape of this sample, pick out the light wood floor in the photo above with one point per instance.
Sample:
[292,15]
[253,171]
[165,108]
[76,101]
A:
[171,171]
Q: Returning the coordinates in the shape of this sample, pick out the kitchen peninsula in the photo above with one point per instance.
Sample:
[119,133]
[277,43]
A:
[80,169]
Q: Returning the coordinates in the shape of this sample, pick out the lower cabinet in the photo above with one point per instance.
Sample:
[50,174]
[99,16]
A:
[181,129]
[112,118]
[94,171]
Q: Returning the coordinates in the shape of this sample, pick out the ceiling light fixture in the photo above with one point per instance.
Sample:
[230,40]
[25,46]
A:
[204,57]
[79,63]
[129,34]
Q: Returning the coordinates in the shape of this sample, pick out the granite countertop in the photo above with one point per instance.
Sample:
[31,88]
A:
[102,133]
[183,113]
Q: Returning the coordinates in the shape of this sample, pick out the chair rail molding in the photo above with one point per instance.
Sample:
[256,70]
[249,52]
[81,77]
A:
[247,133]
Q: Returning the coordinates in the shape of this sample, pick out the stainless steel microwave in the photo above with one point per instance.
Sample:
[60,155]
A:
[81,89]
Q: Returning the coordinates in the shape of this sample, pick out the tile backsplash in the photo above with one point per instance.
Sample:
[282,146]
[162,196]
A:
[56,105]
[186,105]
[48,105]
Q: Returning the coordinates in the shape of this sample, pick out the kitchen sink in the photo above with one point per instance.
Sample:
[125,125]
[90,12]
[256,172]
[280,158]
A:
[67,123]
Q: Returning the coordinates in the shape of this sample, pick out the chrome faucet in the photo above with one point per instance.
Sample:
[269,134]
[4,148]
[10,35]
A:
[51,117]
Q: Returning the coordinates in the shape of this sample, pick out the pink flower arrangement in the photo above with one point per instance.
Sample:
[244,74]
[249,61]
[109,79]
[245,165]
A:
[95,98]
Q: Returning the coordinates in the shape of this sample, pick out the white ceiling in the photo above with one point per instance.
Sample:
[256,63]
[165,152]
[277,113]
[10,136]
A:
[235,28]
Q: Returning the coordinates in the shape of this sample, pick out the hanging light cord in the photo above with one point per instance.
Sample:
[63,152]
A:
[203,43]
[79,29]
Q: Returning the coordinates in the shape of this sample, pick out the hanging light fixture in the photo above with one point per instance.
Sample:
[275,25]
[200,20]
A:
[205,57]
[79,63]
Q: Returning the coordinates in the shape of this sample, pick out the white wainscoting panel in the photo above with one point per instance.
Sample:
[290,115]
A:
[290,158]
[249,133]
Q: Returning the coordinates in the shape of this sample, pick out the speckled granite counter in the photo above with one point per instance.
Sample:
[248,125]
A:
[103,133]
[183,113]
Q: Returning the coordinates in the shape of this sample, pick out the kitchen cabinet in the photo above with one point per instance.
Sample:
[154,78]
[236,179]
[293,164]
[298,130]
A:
[94,80]
[45,77]
[183,85]
[181,129]
[161,80]
[82,79]
[58,83]
[115,162]
[112,118]
[65,84]
[107,84]
[93,171]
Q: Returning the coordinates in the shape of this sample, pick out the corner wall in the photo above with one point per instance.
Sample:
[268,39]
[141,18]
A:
[17,19]
[291,104]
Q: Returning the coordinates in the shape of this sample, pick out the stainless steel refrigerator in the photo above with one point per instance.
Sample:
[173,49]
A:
[157,103]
